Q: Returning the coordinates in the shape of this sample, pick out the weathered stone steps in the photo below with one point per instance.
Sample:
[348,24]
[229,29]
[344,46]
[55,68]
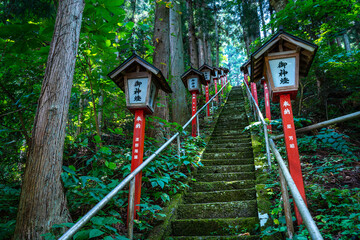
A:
[204,227]
[223,197]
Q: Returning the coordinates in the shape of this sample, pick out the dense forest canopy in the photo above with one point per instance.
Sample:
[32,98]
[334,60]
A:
[172,35]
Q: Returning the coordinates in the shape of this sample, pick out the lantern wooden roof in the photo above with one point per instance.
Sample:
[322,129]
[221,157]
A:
[136,64]
[282,43]
[205,66]
[193,71]
[226,70]
[244,67]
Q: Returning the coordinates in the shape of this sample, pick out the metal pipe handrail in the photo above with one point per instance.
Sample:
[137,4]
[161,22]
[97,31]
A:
[304,211]
[264,126]
[322,124]
[69,233]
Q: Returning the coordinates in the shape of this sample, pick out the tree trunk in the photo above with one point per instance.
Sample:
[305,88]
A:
[347,42]
[192,37]
[42,200]
[201,51]
[217,40]
[180,111]
[262,17]
[161,61]
[278,5]
[101,110]
[209,58]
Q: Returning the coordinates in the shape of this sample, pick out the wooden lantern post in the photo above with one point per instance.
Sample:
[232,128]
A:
[192,80]
[283,59]
[140,82]
[207,71]
[222,75]
[215,78]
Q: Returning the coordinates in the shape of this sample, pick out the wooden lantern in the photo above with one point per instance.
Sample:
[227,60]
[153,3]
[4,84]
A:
[207,71]
[140,82]
[282,61]
[193,79]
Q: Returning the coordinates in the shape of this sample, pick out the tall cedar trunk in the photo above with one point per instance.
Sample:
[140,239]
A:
[262,17]
[217,42]
[180,110]
[192,37]
[205,47]
[208,52]
[132,19]
[201,51]
[42,200]
[161,61]
[271,10]
[278,5]
[101,109]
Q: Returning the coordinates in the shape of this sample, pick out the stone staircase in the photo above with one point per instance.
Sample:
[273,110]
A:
[221,204]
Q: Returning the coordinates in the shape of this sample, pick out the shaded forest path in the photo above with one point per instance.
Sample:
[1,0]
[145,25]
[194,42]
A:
[221,204]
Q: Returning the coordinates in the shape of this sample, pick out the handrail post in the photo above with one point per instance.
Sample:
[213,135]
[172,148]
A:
[267,145]
[287,208]
[131,209]
[179,147]
[197,124]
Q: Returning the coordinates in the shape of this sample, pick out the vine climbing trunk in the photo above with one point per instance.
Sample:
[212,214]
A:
[194,60]
[42,200]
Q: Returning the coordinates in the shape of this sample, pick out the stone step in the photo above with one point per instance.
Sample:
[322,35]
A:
[240,236]
[220,196]
[230,134]
[227,144]
[235,209]
[220,140]
[227,168]
[221,185]
[229,138]
[233,176]
[228,155]
[208,227]
[226,150]
[229,161]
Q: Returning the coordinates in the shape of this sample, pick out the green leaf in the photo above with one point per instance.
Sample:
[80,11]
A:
[108,43]
[95,233]
[130,25]
[110,165]
[84,234]
[113,3]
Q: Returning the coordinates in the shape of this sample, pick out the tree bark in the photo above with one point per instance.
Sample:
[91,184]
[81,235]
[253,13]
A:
[201,51]
[347,42]
[192,37]
[42,199]
[262,17]
[161,61]
[217,40]
[180,111]
[278,5]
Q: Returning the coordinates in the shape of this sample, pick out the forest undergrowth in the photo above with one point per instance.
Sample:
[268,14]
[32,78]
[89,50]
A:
[331,171]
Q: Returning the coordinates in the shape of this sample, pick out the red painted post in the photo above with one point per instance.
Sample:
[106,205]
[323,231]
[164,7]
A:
[217,97]
[207,98]
[193,123]
[267,104]
[137,155]
[246,79]
[254,92]
[292,148]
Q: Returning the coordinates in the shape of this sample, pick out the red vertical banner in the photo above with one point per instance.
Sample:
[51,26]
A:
[292,148]
[137,155]
[246,79]
[217,97]
[193,109]
[207,99]
[267,104]
[254,92]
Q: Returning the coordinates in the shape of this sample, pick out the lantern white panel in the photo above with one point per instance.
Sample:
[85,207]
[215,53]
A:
[152,95]
[207,75]
[193,84]
[137,90]
[249,70]
[283,71]
[222,73]
[216,73]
